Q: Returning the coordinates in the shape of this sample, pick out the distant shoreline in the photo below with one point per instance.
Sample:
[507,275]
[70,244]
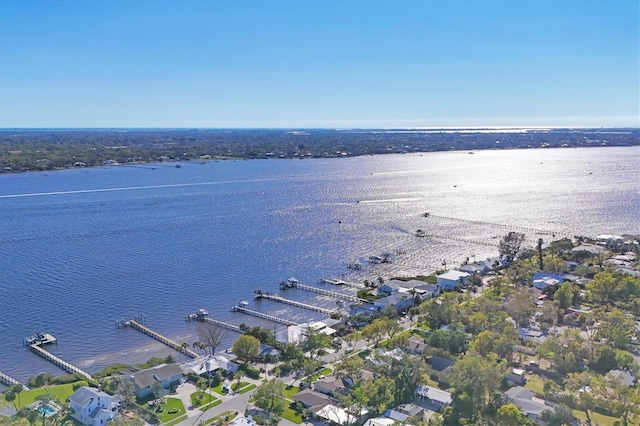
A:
[24,150]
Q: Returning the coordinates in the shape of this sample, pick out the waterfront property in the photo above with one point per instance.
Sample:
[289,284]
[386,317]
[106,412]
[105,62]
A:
[91,406]
[452,279]
[166,375]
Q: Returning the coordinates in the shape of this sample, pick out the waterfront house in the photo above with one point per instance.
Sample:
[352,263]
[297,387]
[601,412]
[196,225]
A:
[210,364]
[91,406]
[452,279]
[526,401]
[167,375]
[400,302]
[438,398]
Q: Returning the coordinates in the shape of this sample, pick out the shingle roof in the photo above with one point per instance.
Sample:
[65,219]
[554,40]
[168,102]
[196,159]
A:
[311,398]
[83,395]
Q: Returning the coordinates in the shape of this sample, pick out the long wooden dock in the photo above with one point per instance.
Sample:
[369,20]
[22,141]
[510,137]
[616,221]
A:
[335,281]
[245,310]
[59,361]
[259,294]
[496,225]
[462,240]
[10,381]
[295,284]
[203,316]
[160,338]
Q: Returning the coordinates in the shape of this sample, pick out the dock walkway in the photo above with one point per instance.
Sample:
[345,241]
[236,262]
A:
[10,381]
[295,284]
[496,225]
[245,310]
[160,338]
[203,316]
[259,294]
[336,281]
[59,361]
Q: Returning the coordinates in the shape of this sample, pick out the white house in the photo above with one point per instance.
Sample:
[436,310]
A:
[209,364]
[437,397]
[91,406]
[452,279]
[542,280]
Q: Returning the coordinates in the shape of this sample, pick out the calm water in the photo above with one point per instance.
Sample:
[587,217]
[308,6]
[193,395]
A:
[99,245]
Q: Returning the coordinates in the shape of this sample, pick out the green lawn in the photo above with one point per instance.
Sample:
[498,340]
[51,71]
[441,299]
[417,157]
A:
[324,372]
[535,383]
[596,418]
[172,404]
[60,392]
[235,387]
[290,391]
[247,388]
[199,399]
[290,414]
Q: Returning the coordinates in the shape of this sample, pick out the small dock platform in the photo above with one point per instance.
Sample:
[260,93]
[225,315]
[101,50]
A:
[35,347]
[10,381]
[293,283]
[242,307]
[39,339]
[160,338]
[260,294]
[336,281]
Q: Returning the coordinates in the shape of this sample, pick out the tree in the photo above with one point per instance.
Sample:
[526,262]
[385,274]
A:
[521,306]
[476,377]
[406,372]
[510,415]
[350,368]
[17,389]
[510,245]
[565,351]
[270,397]
[560,416]
[246,347]
[567,295]
[315,341]
[616,327]
[211,335]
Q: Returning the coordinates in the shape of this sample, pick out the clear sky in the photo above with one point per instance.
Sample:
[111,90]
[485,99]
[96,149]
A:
[160,63]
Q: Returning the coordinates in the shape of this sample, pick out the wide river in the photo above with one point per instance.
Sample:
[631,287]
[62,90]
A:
[82,248]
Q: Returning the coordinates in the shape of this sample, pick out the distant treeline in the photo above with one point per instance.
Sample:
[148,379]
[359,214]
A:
[24,150]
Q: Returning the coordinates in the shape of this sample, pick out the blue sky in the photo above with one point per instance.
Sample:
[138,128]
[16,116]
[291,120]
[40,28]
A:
[319,63]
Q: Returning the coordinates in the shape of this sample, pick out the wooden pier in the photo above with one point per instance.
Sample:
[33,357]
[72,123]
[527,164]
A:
[292,283]
[336,281]
[203,316]
[59,362]
[259,294]
[10,381]
[241,307]
[160,338]
[462,240]
[496,225]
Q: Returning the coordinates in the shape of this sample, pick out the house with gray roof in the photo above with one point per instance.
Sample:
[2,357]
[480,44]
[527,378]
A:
[311,399]
[167,375]
[437,397]
[91,406]
[526,401]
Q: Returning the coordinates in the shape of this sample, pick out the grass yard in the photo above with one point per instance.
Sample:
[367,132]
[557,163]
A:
[173,408]
[60,393]
[247,388]
[290,414]
[290,391]
[199,399]
[597,418]
[235,386]
[535,383]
